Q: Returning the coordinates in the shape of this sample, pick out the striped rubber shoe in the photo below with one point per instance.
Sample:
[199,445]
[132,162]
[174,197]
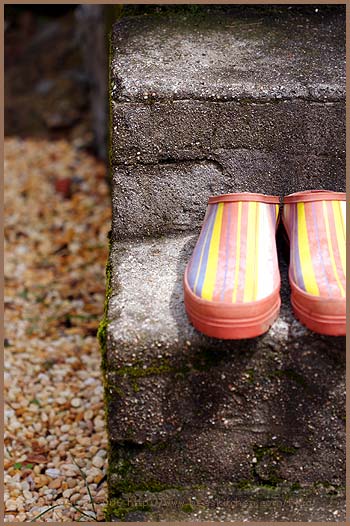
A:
[232,282]
[315,224]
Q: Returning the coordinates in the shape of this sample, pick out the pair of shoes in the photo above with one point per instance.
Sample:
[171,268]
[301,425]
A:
[232,282]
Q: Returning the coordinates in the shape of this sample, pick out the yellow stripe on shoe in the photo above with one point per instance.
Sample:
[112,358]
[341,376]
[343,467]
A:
[210,275]
[250,258]
[304,253]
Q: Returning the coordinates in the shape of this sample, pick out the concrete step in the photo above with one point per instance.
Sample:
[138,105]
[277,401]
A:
[241,99]
[233,99]
[189,414]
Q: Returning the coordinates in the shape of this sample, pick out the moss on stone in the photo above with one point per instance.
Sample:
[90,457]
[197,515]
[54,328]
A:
[331,489]
[276,453]
[139,372]
[273,451]
[155,368]
[126,485]
[244,484]
[290,373]
[102,329]
[122,477]
[159,446]
[250,373]
[135,386]
[119,509]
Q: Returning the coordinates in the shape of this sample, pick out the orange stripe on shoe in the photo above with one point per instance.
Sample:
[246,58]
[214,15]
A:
[221,253]
[238,252]
[231,263]
[256,266]
[330,248]
[340,235]
[316,253]
[240,282]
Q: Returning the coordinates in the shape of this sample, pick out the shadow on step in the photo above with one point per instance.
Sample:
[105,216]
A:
[283,391]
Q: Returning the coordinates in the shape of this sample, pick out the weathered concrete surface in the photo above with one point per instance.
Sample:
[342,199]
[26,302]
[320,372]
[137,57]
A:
[238,53]
[191,129]
[308,504]
[170,197]
[241,100]
[229,101]
[273,406]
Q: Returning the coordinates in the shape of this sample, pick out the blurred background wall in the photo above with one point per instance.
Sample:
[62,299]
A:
[56,68]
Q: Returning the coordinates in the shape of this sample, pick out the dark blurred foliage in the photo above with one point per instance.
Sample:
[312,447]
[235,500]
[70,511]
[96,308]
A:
[46,87]
[50,10]
[56,65]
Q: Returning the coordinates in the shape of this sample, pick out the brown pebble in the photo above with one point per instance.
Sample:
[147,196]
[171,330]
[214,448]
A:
[80,454]
[41,480]
[74,498]
[37,369]
[55,484]
[99,498]
[71,483]
[84,441]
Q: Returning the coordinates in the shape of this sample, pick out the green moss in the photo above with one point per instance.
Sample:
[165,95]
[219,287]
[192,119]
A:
[273,451]
[160,446]
[102,328]
[206,359]
[271,486]
[125,485]
[102,338]
[118,508]
[158,367]
[244,484]
[122,476]
[289,450]
[332,489]
[139,372]
[250,375]
[201,361]
[113,391]
[187,508]
[276,453]
[290,373]
[135,386]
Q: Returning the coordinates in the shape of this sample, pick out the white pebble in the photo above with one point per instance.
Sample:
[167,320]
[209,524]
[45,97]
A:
[27,495]
[99,424]
[88,414]
[53,473]
[98,462]
[67,493]
[65,428]
[76,402]
[11,505]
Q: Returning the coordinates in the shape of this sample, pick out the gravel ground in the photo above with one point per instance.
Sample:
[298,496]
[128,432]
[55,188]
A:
[57,216]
